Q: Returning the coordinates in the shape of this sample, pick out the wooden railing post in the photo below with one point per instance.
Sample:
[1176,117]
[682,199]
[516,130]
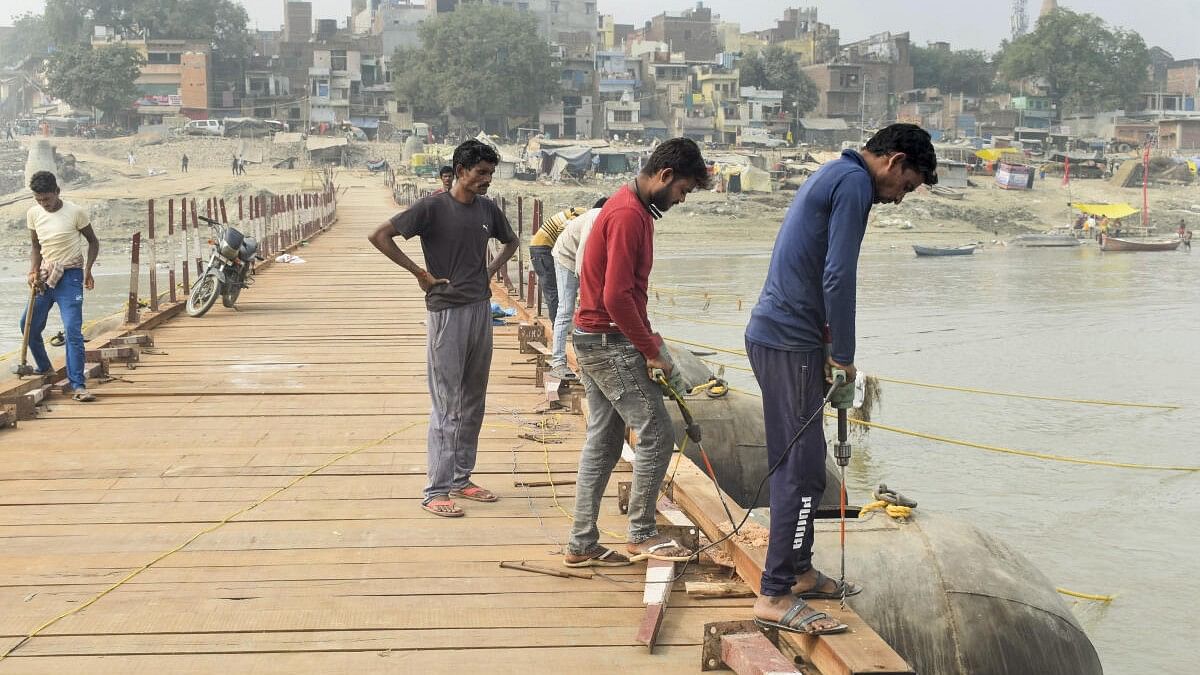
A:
[185,235]
[171,248]
[131,308]
[153,255]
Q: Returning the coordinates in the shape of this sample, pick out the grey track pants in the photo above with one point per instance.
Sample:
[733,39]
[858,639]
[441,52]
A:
[459,358]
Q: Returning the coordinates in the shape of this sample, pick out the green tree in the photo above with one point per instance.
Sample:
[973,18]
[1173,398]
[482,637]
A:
[29,37]
[221,23]
[100,78]
[778,68]
[966,71]
[1087,64]
[478,61]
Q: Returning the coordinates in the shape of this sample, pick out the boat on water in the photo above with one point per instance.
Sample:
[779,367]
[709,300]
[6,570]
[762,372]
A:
[937,251]
[1046,240]
[1118,244]
[942,592]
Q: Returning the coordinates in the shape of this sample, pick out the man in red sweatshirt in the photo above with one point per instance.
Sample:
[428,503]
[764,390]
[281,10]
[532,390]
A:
[617,351]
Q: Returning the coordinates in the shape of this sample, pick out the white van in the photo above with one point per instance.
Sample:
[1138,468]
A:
[204,128]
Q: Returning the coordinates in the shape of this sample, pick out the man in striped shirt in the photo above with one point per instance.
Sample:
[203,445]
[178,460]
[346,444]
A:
[540,254]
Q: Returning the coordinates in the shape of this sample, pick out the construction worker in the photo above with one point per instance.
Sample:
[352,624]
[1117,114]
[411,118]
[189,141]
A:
[811,284]
[540,256]
[455,228]
[58,267]
[566,263]
[617,352]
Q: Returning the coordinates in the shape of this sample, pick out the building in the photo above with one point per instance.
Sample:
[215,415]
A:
[840,90]
[885,70]
[692,32]
[825,132]
[623,118]
[799,31]
[1179,134]
[397,22]
[175,78]
[297,21]
[334,77]
[720,92]
[556,19]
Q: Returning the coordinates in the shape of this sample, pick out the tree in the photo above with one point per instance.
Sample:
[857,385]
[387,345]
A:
[478,61]
[966,71]
[95,78]
[29,37]
[220,23]
[1087,65]
[778,68]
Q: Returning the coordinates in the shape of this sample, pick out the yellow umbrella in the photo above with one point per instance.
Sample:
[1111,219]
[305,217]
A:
[1115,211]
[993,154]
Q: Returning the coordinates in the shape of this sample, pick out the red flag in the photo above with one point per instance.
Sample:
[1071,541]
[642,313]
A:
[1066,171]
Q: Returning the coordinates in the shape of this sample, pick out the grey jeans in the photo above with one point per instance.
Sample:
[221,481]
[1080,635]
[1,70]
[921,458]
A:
[459,355]
[619,394]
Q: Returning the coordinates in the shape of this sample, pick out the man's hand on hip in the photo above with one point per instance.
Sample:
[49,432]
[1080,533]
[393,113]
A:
[427,281]
[849,369]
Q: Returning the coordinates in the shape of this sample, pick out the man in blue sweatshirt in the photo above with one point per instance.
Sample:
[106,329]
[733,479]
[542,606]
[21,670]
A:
[810,285]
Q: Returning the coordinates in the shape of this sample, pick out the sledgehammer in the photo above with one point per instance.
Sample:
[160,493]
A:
[23,368]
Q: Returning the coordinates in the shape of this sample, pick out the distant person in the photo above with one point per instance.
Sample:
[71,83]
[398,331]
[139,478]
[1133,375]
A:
[8,133]
[595,165]
[242,166]
[1182,229]
[235,165]
[618,351]
[446,175]
[540,256]
[60,271]
[132,159]
[455,228]
[1187,241]
[811,287]
[566,252]
[183,161]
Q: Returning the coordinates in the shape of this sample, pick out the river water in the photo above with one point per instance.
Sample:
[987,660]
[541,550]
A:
[1073,323]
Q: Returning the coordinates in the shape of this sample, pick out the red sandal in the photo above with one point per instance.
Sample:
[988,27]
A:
[445,508]
[475,494]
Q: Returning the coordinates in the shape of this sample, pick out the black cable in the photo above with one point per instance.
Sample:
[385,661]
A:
[761,484]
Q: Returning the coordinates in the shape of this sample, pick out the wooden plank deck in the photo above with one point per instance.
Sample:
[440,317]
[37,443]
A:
[324,362]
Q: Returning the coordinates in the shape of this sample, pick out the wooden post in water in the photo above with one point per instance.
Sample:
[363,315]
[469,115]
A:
[153,256]
[197,251]
[131,308]
[171,249]
[520,246]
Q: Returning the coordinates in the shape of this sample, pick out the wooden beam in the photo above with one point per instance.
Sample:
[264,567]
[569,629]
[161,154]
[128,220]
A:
[753,654]
[660,576]
[858,651]
[718,589]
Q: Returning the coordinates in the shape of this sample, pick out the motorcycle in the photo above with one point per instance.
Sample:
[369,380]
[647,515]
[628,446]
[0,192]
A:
[230,269]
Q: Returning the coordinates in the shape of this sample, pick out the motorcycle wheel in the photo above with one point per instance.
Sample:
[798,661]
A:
[231,292]
[204,293]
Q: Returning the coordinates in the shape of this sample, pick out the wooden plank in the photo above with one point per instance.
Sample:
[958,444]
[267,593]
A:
[753,654]
[718,589]
[858,651]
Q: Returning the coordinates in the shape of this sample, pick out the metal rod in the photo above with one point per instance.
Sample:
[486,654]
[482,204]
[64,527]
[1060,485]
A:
[524,567]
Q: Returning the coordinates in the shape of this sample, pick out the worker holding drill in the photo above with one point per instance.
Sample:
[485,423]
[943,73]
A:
[811,283]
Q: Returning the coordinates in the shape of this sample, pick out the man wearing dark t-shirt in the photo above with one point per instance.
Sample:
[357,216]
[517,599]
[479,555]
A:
[454,228]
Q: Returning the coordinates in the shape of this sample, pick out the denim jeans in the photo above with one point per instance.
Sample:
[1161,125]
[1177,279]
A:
[543,264]
[619,394]
[459,360]
[68,295]
[568,292]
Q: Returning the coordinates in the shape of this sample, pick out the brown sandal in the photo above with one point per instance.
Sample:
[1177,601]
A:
[475,494]
[445,508]
[597,557]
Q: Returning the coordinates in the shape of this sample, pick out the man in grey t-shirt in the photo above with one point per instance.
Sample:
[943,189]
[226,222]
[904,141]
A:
[454,228]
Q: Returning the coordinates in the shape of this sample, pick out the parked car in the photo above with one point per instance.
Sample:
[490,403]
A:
[204,128]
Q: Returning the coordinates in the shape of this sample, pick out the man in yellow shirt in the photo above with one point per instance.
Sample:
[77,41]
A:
[541,255]
[58,269]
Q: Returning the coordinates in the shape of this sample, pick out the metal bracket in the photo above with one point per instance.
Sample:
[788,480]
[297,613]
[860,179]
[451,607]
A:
[129,354]
[140,339]
[713,657]
[8,416]
[623,488]
[530,332]
[688,536]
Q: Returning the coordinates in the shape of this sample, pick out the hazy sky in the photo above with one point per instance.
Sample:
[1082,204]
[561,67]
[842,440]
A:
[979,24]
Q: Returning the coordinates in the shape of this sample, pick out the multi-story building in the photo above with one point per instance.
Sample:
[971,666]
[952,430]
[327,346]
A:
[840,90]
[175,78]
[799,31]
[692,32]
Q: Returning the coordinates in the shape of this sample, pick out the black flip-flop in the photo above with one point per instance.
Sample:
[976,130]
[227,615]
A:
[836,594]
[785,622]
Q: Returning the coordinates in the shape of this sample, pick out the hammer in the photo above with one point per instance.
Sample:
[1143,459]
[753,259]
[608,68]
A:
[23,368]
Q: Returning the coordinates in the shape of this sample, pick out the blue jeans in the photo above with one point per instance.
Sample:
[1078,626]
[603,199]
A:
[68,294]
[619,393]
[568,291]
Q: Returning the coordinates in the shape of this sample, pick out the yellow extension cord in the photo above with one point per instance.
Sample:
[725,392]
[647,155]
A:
[212,528]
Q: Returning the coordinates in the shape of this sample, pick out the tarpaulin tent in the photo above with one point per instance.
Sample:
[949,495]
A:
[1114,211]
[993,154]
[554,160]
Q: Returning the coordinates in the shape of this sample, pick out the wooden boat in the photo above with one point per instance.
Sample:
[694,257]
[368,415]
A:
[1045,240]
[937,251]
[1115,244]
[948,193]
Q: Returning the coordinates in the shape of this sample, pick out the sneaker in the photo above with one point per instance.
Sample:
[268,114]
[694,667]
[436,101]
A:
[563,373]
[83,395]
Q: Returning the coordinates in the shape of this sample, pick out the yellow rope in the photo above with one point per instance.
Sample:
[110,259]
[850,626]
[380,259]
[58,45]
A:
[1086,596]
[744,369]
[554,489]
[988,392]
[893,510]
[212,528]
[1021,453]
[724,350]
[693,319]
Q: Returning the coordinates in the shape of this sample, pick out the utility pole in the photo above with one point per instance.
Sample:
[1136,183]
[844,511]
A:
[862,109]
